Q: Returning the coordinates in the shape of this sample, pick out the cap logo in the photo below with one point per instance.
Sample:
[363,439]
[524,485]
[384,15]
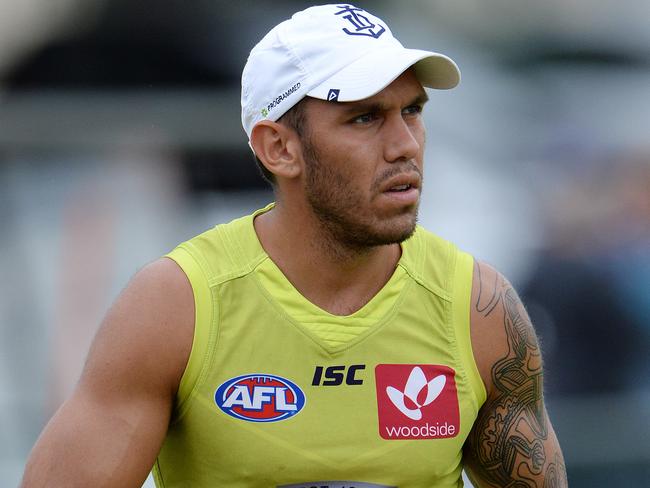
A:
[333,95]
[361,24]
[279,99]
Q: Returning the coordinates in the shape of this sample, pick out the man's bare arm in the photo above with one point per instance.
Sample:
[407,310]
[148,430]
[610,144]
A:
[109,432]
[512,442]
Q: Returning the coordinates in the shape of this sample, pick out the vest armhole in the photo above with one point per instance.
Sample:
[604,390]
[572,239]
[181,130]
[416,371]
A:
[461,303]
[202,323]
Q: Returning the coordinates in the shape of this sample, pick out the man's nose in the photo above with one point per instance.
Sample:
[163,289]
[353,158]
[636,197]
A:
[400,141]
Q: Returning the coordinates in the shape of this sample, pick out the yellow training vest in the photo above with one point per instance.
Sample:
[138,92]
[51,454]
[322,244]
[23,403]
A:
[278,392]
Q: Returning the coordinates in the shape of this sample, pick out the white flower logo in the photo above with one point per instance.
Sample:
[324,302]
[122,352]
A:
[414,385]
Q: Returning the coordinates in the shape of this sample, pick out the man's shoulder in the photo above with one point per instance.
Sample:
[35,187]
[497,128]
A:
[428,247]
[434,261]
[224,251]
[214,236]
[429,238]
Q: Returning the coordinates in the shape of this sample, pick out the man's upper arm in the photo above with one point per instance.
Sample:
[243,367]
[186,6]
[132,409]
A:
[512,439]
[110,431]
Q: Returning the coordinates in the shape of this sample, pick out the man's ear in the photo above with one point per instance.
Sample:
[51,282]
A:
[278,147]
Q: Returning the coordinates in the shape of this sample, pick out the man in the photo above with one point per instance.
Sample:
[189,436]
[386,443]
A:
[324,340]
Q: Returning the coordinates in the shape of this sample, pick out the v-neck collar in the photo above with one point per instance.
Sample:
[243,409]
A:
[331,332]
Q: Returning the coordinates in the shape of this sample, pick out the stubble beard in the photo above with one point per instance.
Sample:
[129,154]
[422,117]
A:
[340,209]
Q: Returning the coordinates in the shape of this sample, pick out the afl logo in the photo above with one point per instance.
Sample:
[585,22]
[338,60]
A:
[260,398]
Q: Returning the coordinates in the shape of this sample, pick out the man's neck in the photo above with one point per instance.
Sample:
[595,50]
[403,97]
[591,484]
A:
[338,278]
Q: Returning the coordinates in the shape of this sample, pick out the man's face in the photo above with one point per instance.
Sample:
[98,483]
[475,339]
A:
[363,164]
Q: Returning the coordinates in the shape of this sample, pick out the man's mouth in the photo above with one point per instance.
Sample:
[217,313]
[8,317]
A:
[400,188]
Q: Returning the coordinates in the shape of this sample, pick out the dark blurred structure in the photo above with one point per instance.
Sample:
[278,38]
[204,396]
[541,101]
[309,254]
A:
[174,68]
[590,344]
[589,294]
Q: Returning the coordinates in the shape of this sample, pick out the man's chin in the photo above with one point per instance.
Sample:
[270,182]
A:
[395,234]
[404,226]
[406,234]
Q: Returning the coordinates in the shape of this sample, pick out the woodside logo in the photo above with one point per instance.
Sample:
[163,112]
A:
[416,401]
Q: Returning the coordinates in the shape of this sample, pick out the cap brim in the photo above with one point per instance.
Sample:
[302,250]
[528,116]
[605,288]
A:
[376,70]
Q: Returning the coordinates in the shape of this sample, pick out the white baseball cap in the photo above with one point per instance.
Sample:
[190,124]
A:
[332,52]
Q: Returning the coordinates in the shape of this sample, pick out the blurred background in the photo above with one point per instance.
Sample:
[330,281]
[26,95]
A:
[120,137]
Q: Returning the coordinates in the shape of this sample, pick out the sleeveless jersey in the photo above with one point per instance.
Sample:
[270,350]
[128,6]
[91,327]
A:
[278,392]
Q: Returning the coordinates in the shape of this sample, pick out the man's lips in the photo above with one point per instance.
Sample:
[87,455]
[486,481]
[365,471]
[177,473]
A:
[403,188]
[401,183]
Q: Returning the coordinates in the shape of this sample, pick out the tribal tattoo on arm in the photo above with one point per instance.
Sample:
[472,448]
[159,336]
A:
[512,443]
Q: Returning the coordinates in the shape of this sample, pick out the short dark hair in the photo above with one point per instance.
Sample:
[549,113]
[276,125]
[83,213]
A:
[295,118]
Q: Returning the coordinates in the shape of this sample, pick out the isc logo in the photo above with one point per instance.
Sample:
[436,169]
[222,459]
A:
[334,375]
[260,398]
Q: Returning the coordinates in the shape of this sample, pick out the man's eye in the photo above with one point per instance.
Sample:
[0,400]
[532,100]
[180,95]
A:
[364,119]
[413,110]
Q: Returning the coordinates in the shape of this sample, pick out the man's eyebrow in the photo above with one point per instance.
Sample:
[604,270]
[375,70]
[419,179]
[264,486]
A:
[362,107]
[421,99]
[374,107]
